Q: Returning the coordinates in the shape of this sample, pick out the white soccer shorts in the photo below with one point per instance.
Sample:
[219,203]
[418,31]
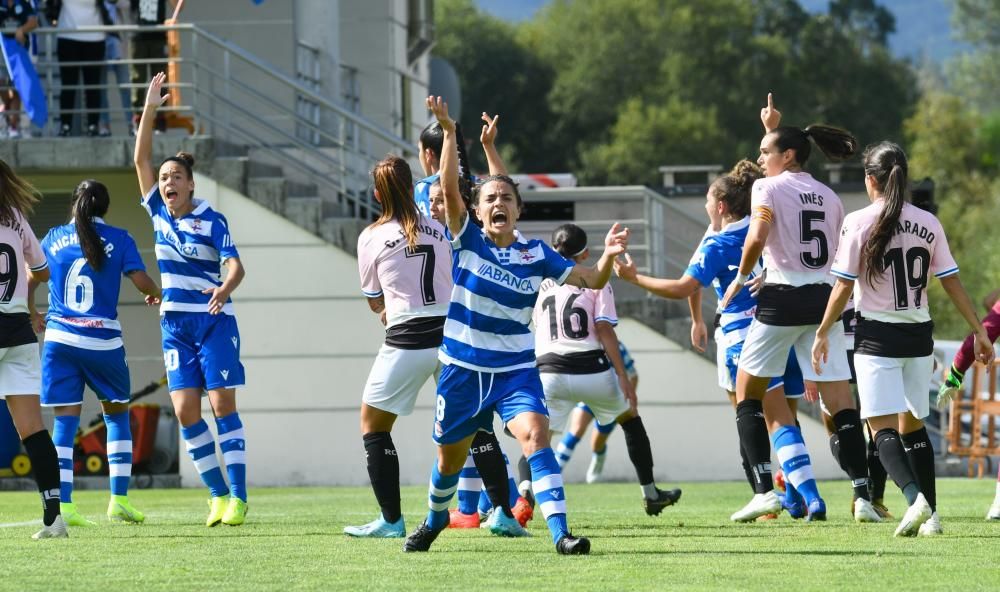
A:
[765,352]
[397,376]
[599,391]
[887,386]
[20,370]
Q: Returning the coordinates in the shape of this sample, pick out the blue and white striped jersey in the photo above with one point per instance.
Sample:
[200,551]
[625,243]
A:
[493,298]
[716,263]
[83,302]
[190,251]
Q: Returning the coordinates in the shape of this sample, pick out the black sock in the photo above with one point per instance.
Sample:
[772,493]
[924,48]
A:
[893,457]
[756,442]
[747,470]
[920,453]
[383,470]
[875,469]
[835,450]
[639,451]
[853,457]
[523,471]
[45,465]
[492,469]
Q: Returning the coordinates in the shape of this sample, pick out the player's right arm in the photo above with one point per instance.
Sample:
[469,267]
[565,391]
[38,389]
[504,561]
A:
[143,155]
[673,289]
[488,139]
[699,331]
[145,284]
[455,213]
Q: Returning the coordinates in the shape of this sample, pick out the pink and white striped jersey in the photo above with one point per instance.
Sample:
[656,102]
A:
[564,318]
[416,282]
[917,249]
[805,217]
[19,251]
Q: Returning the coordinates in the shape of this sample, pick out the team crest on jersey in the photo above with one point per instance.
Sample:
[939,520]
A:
[519,255]
[196,225]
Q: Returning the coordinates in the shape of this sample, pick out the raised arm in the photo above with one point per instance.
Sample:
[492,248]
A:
[143,155]
[488,139]
[673,289]
[769,116]
[597,277]
[454,208]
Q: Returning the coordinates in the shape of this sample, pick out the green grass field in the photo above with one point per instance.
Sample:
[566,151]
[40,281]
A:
[293,541]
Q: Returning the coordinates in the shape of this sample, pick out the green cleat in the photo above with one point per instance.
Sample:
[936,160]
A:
[236,512]
[72,517]
[120,510]
[216,509]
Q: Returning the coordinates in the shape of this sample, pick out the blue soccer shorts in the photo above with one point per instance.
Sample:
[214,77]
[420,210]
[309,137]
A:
[201,351]
[66,369]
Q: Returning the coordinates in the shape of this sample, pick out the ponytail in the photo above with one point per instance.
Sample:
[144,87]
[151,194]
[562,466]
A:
[394,184]
[90,200]
[465,182]
[886,163]
[733,189]
[836,144]
[569,240]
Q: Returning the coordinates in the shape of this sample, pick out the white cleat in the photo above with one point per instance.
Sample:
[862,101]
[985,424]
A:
[596,467]
[499,524]
[865,512]
[915,516]
[932,527]
[761,504]
[56,530]
[994,513]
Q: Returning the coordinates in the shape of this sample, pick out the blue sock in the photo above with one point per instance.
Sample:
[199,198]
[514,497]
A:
[564,450]
[469,486]
[201,448]
[546,482]
[233,444]
[442,489]
[794,458]
[63,434]
[119,451]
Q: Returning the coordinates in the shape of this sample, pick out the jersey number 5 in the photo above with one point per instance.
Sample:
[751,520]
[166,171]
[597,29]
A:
[809,235]
[568,312]
[426,254]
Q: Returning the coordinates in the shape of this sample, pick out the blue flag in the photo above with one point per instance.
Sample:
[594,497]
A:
[25,79]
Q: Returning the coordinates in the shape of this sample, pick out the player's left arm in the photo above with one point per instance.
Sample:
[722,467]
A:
[609,340]
[753,248]
[839,296]
[234,275]
[146,285]
[597,277]
[37,319]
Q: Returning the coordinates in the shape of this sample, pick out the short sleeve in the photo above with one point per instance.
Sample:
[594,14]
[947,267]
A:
[762,202]
[705,263]
[131,260]
[152,201]
[422,196]
[942,262]
[470,236]
[34,256]
[222,240]
[368,267]
[555,266]
[847,261]
[604,306]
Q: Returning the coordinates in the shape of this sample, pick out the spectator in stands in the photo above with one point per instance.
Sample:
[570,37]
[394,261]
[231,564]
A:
[114,50]
[19,14]
[75,47]
[149,45]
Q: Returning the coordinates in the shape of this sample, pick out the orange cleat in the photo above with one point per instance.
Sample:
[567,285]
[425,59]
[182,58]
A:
[460,520]
[766,517]
[522,511]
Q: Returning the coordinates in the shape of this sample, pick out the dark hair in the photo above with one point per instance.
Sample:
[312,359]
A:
[733,188]
[569,240]
[394,183]
[16,195]
[836,143]
[185,159]
[90,200]
[886,163]
[432,138]
[502,178]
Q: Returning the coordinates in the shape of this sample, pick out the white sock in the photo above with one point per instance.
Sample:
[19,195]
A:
[649,491]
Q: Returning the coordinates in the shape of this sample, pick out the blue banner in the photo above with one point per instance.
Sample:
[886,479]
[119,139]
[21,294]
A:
[25,78]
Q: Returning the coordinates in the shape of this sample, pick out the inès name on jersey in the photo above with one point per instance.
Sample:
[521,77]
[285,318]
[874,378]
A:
[811,199]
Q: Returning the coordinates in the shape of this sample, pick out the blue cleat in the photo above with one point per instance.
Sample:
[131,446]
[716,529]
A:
[817,511]
[378,529]
[502,525]
[793,503]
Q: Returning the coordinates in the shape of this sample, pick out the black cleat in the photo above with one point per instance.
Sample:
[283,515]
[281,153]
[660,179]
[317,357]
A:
[570,545]
[663,499]
[421,539]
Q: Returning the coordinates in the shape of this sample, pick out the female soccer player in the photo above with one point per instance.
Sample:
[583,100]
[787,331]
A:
[727,204]
[404,261]
[488,351]
[578,359]
[21,261]
[83,339]
[889,249]
[794,222]
[201,342]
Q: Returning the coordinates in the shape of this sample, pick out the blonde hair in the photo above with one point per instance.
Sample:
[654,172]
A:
[394,184]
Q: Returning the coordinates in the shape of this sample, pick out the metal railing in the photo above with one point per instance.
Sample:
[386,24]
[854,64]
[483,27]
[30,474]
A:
[239,98]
